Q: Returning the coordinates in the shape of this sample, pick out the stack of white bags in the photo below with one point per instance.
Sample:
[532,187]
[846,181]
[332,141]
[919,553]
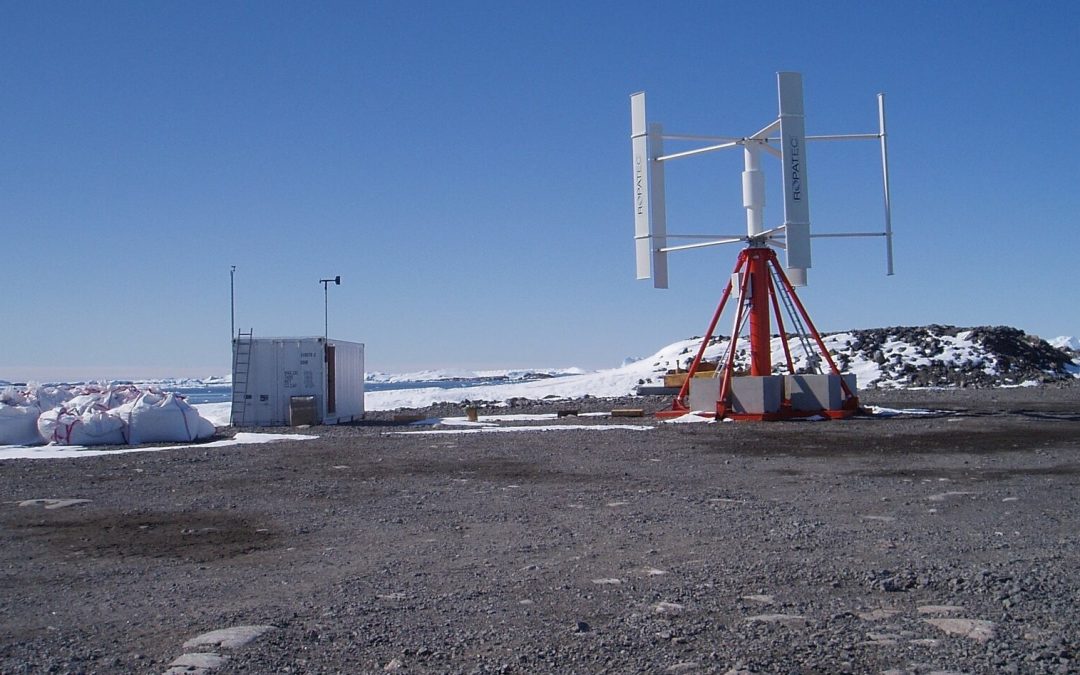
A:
[97,415]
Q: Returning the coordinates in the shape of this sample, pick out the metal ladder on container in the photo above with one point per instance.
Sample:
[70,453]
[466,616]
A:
[241,369]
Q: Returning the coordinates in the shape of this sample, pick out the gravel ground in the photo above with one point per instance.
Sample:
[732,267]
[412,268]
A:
[944,542]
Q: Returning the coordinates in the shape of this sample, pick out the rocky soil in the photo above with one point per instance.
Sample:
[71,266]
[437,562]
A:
[936,542]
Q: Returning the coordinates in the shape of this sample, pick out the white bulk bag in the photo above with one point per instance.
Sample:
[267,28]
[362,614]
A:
[18,424]
[48,397]
[83,402]
[93,427]
[153,418]
[12,396]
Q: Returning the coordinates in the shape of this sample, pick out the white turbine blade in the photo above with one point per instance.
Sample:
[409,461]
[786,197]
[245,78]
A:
[649,212]
[642,211]
[793,149]
[885,182]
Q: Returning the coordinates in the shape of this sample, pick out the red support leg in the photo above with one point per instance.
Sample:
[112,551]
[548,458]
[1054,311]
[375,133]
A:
[760,338]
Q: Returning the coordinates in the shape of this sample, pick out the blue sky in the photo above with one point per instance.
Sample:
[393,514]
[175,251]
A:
[465,167]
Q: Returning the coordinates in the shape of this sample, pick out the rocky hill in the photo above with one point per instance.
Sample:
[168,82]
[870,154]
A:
[984,356]
[917,356]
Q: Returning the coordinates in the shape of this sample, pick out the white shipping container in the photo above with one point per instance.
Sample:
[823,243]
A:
[278,369]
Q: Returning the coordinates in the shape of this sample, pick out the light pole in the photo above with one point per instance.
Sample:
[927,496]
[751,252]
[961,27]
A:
[232,303]
[326,303]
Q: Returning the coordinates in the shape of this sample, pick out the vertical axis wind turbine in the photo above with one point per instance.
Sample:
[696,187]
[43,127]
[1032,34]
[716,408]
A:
[759,282]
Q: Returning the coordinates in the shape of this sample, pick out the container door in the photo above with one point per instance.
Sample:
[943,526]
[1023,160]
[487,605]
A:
[331,384]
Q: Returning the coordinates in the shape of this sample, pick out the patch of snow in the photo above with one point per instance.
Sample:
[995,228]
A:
[73,451]
[691,418]
[866,372]
[879,411]
[550,427]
